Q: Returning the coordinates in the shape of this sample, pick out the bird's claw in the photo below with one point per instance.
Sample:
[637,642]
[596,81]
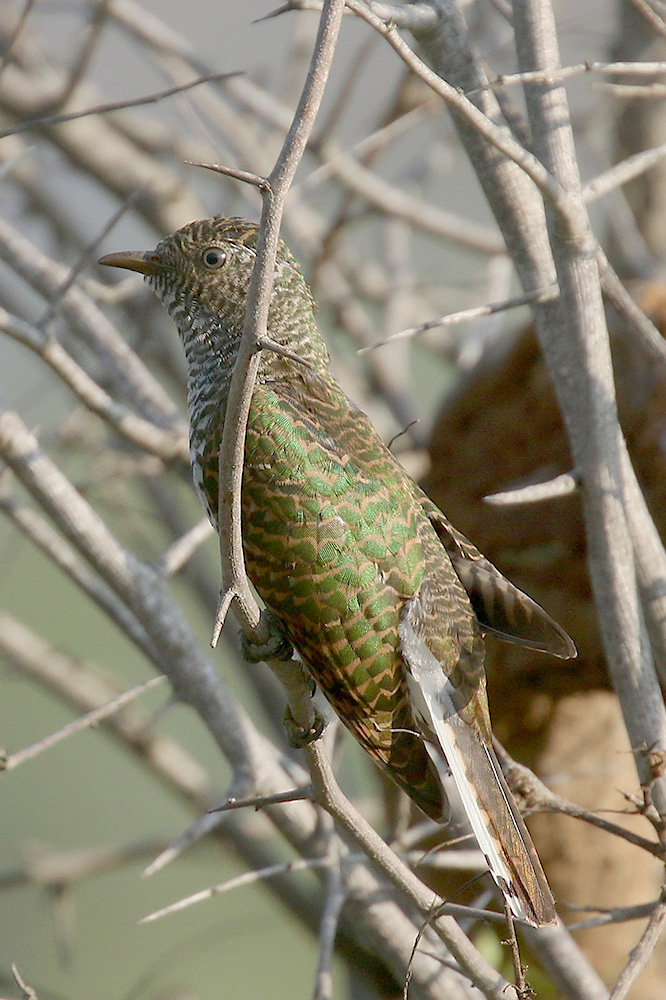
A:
[298,737]
[276,647]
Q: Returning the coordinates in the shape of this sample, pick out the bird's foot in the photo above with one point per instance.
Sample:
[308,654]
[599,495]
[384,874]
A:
[276,647]
[299,737]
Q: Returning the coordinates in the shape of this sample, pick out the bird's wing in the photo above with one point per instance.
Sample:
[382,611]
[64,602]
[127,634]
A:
[500,607]
[332,543]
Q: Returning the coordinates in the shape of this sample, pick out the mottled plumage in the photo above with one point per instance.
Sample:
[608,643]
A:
[385,602]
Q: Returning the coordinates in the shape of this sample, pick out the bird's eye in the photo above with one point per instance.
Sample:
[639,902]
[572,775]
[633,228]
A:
[213,258]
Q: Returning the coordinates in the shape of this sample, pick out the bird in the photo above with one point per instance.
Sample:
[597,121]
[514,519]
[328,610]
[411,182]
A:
[384,601]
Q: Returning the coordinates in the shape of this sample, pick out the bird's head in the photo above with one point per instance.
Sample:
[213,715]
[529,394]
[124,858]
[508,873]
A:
[201,274]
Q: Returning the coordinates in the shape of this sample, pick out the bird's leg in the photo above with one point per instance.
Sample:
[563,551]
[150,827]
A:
[275,647]
[298,737]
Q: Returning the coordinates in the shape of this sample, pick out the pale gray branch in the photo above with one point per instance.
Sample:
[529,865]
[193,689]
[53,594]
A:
[641,954]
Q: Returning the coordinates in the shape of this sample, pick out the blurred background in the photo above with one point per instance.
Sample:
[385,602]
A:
[392,231]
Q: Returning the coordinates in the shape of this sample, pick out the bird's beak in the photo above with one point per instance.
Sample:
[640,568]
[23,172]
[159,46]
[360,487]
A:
[146,262]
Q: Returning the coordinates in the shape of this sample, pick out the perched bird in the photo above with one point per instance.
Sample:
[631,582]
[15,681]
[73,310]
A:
[384,601]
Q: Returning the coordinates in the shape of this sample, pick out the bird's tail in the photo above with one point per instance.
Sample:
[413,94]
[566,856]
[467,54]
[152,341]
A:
[495,820]
[458,749]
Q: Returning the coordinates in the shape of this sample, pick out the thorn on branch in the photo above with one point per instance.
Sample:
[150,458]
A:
[262,801]
[28,992]
[246,176]
[266,344]
[284,9]
[564,485]
[226,598]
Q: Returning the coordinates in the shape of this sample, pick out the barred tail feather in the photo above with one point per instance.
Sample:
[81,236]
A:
[456,748]
[496,823]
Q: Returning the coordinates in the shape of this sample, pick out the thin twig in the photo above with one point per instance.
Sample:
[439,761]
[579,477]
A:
[641,954]
[537,797]
[103,109]
[622,173]
[328,794]
[248,878]
[181,551]
[648,336]
[89,253]
[122,366]
[28,991]
[167,443]
[566,72]
[240,175]
[84,722]
[48,541]
[639,91]
[498,137]
[18,28]
[328,928]
[59,869]
[393,200]
[232,447]
[464,315]
[581,368]
[612,915]
[262,801]
[654,19]
[522,989]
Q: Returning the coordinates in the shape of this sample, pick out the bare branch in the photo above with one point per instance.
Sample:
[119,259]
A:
[48,277]
[537,797]
[232,447]
[394,201]
[58,869]
[335,897]
[51,544]
[561,486]
[261,801]
[657,22]
[640,955]
[103,109]
[182,550]
[623,172]
[328,794]
[28,991]
[567,72]
[539,295]
[18,28]
[582,372]
[240,175]
[523,991]
[168,444]
[613,915]
[622,302]
[248,878]
[85,722]
[457,101]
